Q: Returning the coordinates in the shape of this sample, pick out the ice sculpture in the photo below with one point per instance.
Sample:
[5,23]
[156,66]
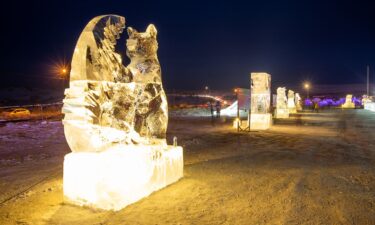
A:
[365,99]
[116,119]
[369,106]
[367,103]
[291,103]
[260,118]
[281,104]
[297,99]
[349,104]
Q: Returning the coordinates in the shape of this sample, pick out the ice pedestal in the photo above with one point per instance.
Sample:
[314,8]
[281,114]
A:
[282,113]
[120,176]
[369,106]
[348,105]
[260,121]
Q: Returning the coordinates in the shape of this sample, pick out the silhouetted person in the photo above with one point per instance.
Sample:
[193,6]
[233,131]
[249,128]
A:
[218,108]
[316,107]
[211,109]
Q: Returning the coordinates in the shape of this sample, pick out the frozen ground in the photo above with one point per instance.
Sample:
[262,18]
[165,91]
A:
[314,168]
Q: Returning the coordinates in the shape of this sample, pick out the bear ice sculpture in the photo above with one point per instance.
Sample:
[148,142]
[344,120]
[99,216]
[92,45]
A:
[107,102]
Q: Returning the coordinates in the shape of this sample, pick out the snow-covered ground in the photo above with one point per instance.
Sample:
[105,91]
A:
[314,168]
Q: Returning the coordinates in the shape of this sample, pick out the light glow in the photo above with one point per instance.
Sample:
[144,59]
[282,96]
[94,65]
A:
[59,69]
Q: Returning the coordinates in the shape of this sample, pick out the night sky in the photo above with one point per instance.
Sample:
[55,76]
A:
[202,42]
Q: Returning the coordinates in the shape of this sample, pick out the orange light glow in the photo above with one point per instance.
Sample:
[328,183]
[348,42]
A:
[59,69]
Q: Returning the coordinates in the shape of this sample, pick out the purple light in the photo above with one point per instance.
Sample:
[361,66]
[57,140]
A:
[330,101]
[323,103]
[308,102]
[316,100]
[357,101]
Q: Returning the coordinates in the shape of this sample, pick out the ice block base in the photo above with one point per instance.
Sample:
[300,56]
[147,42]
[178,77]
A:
[120,176]
[261,121]
[282,113]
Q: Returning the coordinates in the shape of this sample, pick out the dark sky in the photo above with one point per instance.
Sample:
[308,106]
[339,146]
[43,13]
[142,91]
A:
[203,42]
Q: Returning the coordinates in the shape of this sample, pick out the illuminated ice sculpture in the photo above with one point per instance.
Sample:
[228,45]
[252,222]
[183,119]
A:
[297,99]
[349,104]
[282,110]
[260,118]
[369,106]
[291,103]
[116,119]
[367,103]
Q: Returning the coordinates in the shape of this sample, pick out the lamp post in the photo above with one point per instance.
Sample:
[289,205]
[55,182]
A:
[307,87]
[238,110]
[60,71]
[63,74]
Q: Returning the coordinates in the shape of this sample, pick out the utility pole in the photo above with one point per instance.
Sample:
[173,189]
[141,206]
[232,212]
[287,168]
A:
[368,80]
[238,111]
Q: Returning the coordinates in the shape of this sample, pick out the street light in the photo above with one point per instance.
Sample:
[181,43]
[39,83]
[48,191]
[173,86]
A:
[307,87]
[207,90]
[60,70]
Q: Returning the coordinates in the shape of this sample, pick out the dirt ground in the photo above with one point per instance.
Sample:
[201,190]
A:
[313,168]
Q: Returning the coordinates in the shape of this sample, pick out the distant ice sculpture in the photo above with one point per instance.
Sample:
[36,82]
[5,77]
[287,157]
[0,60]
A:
[291,103]
[365,99]
[230,110]
[349,104]
[281,104]
[260,118]
[368,103]
[298,99]
[369,106]
[116,119]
